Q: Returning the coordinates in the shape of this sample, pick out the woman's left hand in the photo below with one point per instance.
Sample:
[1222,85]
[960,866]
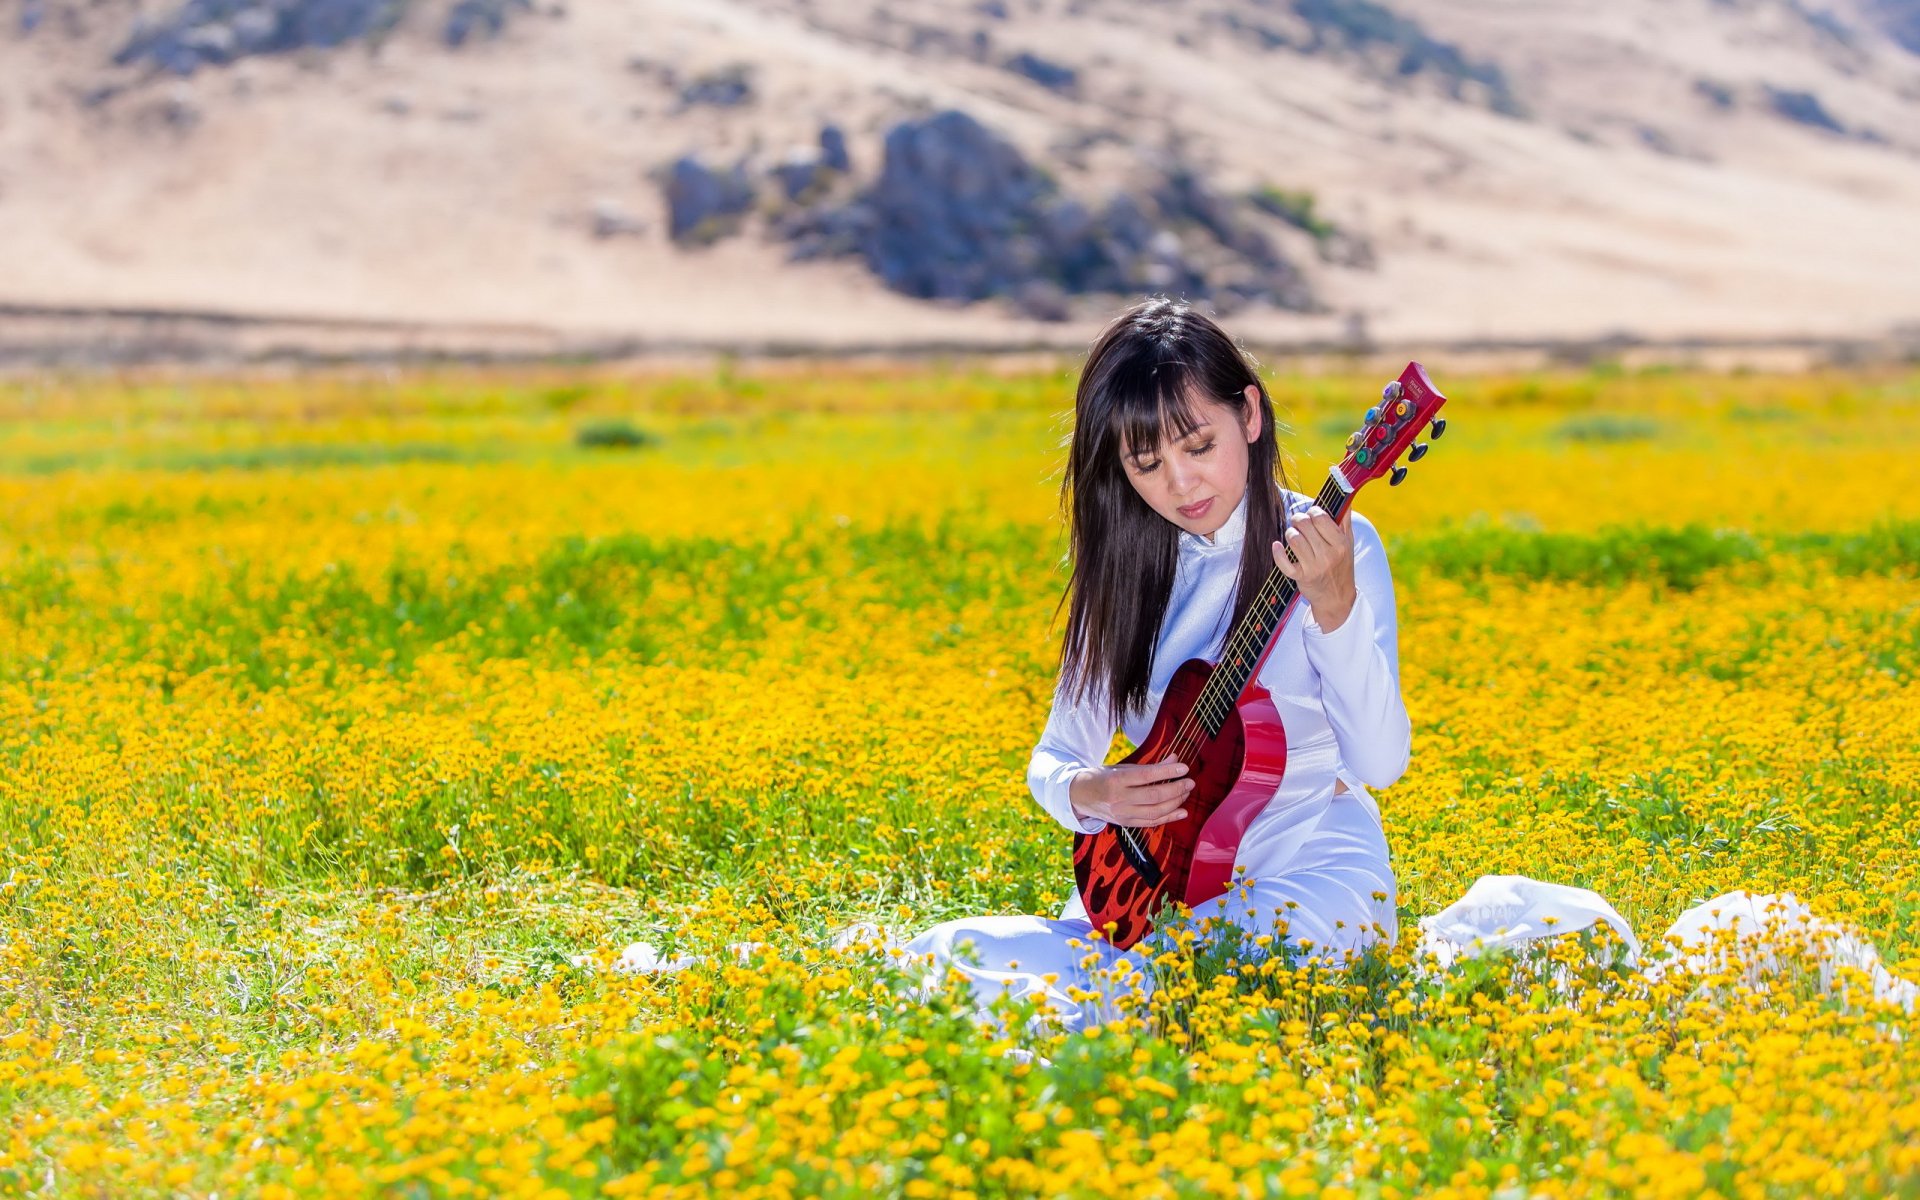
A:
[1321,565]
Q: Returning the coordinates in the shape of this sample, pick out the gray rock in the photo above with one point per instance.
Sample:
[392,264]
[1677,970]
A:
[833,149]
[705,204]
[1715,93]
[727,87]
[1802,107]
[217,32]
[475,18]
[1900,19]
[825,231]
[952,207]
[336,22]
[1055,77]
[802,174]
[1382,42]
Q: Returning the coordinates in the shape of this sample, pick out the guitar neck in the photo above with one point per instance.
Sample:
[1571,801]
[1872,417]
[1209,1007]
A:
[1252,638]
[1407,405]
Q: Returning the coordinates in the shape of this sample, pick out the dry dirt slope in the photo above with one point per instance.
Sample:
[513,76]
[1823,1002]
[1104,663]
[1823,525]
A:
[1738,168]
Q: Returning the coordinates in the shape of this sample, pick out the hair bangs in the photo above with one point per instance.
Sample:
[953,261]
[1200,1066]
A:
[1152,374]
[1149,401]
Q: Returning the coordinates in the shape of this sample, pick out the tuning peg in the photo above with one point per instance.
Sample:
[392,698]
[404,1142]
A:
[1355,440]
[1439,427]
[1399,473]
[1373,414]
[1392,391]
[1418,452]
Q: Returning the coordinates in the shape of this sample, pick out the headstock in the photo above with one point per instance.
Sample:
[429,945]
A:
[1406,409]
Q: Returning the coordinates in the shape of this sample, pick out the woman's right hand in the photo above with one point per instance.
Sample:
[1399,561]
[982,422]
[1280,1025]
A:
[1135,794]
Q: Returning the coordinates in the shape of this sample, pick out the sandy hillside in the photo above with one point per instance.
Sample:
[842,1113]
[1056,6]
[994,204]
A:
[1650,167]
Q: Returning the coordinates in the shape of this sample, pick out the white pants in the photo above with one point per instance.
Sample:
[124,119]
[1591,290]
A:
[1325,886]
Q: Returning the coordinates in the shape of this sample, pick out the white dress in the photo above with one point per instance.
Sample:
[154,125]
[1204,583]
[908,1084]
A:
[1315,860]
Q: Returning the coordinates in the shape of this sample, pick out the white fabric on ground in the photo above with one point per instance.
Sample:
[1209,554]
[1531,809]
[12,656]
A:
[1709,935]
[1505,910]
[1498,913]
[1085,984]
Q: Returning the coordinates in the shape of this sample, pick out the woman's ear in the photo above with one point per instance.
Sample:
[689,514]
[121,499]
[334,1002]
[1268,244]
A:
[1253,413]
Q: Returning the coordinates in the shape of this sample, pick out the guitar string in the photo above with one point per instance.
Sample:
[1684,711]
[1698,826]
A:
[1187,737]
[1209,704]
[1249,639]
[1217,709]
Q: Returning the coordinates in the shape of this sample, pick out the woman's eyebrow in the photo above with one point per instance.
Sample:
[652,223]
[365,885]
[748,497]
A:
[1142,455]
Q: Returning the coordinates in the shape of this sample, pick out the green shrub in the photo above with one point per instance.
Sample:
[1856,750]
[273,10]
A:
[612,434]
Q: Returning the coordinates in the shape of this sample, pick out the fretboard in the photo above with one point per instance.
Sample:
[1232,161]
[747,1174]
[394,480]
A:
[1246,646]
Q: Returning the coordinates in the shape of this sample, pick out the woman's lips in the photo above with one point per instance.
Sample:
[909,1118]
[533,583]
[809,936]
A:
[1197,510]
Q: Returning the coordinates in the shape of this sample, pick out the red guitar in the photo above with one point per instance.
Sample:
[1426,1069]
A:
[1223,725]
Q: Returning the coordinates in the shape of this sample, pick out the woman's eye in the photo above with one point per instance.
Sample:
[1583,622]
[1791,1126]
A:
[1148,468]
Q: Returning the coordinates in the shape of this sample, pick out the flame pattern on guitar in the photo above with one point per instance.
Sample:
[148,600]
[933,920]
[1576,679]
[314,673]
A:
[1191,859]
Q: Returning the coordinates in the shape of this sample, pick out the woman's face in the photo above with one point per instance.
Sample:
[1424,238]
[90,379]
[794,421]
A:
[1204,473]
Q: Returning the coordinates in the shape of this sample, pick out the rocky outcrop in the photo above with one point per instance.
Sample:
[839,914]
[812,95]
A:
[807,173]
[1900,19]
[833,149]
[1384,43]
[471,19]
[216,32]
[1334,243]
[951,212]
[705,203]
[728,87]
[1055,77]
[958,214]
[1802,108]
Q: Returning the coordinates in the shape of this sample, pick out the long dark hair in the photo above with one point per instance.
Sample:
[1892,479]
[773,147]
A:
[1138,381]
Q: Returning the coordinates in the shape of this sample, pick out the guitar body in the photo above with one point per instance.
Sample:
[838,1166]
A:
[1125,874]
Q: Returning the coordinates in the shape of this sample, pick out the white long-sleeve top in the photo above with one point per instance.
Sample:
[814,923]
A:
[1338,693]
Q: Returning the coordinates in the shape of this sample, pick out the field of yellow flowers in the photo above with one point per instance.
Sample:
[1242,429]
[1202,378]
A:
[337,713]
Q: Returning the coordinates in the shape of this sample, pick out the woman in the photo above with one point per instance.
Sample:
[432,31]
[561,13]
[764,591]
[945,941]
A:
[1175,501]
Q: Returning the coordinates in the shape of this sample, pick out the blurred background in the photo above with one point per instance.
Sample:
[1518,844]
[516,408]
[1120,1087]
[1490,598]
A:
[226,180]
